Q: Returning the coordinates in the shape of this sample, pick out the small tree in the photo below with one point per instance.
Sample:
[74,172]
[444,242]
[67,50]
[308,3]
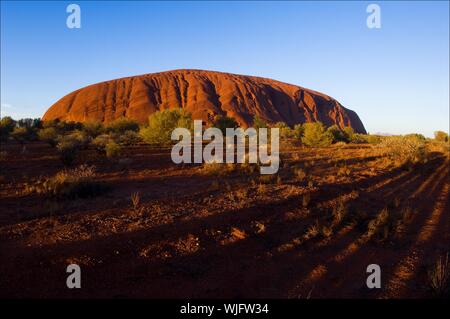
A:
[162,123]
[441,136]
[7,125]
[224,122]
[316,135]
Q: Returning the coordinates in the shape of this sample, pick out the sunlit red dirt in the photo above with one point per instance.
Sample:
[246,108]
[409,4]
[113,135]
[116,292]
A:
[195,234]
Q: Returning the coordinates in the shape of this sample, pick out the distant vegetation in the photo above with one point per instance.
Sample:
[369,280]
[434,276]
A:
[70,138]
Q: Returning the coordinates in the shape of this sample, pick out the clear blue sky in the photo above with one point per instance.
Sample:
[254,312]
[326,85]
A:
[396,78]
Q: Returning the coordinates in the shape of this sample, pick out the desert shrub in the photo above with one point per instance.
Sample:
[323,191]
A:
[48,135]
[441,136]
[100,142]
[7,125]
[312,231]
[73,183]
[218,169]
[224,122]
[439,276]
[129,138]
[65,127]
[340,144]
[93,129]
[376,225]
[285,130]
[441,147]
[258,122]
[360,139]
[162,123]
[79,137]
[122,125]
[21,134]
[112,149]
[339,212]
[388,224]
[349,133]
[374,139]
[298,131]
[50,123]
[326,231]
[315,135]
[404,149]
[68,148]
[416,136]
[337,134]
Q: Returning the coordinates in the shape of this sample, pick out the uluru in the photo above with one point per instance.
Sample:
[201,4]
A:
[204,94]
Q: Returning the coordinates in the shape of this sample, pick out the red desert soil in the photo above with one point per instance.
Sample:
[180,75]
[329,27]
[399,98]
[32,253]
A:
[204,94]
[194,234]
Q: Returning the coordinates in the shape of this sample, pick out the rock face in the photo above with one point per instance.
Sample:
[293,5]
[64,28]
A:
[204,94]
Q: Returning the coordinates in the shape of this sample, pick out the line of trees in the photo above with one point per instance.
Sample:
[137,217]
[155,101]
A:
[109,139]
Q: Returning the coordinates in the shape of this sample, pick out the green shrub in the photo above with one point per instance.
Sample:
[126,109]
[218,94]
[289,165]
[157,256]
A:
[337,134]
[417,136]
[7,125]
[316,135]
[441,136]
[50,123]
[100,142]
[360,138]
[75,183]
[21,134]
[404,149]
[162,123]
[224,122]
[112,149]
[285,130]
[48,135]
[81,138]
[122,125]
[129,138]
[65,127]
[93,128]
[68,148]
[374,139]
[349,133]
[298,131]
